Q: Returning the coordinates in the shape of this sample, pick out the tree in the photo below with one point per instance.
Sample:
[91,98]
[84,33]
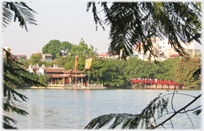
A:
[165,70]
[36,59]
[110,74]
[184,72]
[53,48]
[133,23]
[65,47]
[14,75]
[14,69]
[136,22]
[57,48]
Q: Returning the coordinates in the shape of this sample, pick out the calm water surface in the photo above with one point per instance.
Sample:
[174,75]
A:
[74,109]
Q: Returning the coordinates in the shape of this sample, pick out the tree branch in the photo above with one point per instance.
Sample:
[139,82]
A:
[178,111]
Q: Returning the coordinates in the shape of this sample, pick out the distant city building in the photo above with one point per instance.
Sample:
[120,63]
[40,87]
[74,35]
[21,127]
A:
[21,57]
[189,48]
[47,57]
[109,55]
[164,50]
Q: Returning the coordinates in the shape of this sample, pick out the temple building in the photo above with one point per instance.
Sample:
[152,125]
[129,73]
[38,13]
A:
[58,73]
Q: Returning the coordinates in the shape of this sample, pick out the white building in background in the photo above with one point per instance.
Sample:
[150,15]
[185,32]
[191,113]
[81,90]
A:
[47,57]
[165,50]
[190,48]
[162,46]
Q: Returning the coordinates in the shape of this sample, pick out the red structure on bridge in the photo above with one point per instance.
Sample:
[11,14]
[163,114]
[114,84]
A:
[156,82]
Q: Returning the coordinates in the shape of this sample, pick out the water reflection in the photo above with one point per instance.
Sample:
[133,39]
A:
[88,97]
[74,109]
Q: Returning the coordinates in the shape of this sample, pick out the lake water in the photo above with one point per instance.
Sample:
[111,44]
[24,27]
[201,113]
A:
[74,109]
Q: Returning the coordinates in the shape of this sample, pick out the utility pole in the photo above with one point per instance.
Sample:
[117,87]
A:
[89,71]
[76,68]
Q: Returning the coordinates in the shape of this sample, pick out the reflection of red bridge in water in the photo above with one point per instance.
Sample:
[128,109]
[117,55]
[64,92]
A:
[156,83]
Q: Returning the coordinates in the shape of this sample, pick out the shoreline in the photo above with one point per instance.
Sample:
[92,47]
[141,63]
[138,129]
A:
[66,88]
[101,88]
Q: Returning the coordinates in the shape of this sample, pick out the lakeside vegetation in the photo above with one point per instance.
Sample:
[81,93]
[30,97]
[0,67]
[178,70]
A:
[115,72]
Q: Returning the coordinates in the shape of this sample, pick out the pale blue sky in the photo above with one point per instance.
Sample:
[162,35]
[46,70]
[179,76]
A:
[63,20]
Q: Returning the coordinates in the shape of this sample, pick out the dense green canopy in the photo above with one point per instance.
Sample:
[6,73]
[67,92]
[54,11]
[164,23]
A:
[57,48]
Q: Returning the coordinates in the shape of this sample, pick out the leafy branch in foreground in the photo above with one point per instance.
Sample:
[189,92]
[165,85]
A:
[13,72]
[148,117]
[20,11]
[156,106]
[138,22]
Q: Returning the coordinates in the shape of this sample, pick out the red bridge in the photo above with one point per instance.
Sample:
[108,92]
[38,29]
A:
[156,83]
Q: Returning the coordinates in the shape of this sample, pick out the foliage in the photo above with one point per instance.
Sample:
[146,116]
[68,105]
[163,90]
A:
[116,73]
[68,51]
[111,75]
[14,75]
[135,22]
[68,59]
[36,59]
[43,79]
[57,48]
[185,70]
[20,11]
[165,70]
[14,69]
[53,48]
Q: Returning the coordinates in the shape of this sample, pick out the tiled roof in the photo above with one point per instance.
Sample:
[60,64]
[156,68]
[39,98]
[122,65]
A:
[57,75]
[35,69]
[174,55]
[73,71]
[54,70]
[68,71]
[77,71]
[64,75]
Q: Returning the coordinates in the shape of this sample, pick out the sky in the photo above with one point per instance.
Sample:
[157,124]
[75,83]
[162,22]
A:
[63,21]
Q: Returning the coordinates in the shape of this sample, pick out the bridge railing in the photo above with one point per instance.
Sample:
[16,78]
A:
[155,81]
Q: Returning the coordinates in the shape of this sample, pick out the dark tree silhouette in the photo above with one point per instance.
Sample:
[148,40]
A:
[140,22]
